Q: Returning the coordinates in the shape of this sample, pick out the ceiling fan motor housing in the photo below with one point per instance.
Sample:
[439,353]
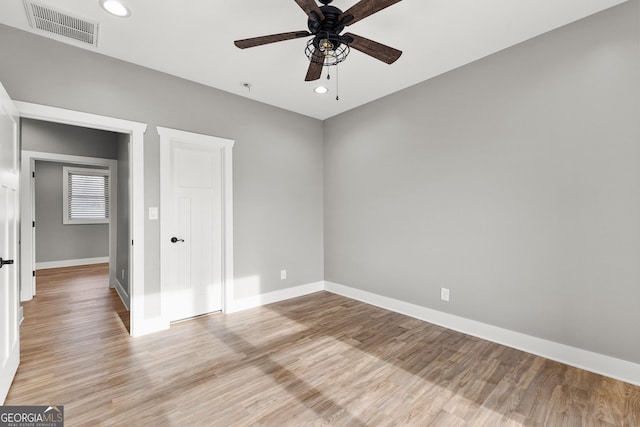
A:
[327,29]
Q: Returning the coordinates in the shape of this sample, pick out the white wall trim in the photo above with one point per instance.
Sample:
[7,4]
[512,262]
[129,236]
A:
[71,262]
[27,213]
[150,326]
[78,118]
[136,175]
[124,296]
[598,363]
[275,296]
[226,146]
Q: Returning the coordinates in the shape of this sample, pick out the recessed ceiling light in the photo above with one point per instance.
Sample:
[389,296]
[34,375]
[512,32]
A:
[321,90]
[115,7]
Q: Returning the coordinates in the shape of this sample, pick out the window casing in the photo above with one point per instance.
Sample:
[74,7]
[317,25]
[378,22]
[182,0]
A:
[86,195]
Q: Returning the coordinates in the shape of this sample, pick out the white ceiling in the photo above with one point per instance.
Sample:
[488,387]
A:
[193,39]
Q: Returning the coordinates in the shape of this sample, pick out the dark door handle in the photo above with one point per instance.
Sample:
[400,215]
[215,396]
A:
[5,261]
[173,240]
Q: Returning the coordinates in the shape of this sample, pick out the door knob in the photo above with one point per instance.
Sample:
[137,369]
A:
[173,240]
[5,261]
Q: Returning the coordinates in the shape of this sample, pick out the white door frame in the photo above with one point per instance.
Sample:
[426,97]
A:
[28,214]
[138,324]
[166,135]
[10,308]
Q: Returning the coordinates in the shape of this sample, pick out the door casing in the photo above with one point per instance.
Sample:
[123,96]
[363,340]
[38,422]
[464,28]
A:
[10,310]
[166,136]
[27,208]
[139,323]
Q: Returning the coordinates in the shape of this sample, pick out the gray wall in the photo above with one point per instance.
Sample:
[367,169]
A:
[57,138]
[513,181]
[122,255]
[277,156]
[56,241]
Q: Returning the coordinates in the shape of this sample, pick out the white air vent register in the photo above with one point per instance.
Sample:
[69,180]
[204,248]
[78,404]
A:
[61,24]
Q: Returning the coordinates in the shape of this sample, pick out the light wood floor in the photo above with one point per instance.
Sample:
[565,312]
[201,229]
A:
[316,360]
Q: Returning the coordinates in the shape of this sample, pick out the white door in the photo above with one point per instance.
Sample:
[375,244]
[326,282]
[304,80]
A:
[9,285]
[192,231]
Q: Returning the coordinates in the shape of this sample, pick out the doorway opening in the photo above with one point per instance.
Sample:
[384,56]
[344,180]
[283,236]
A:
[138,324]
[58,242]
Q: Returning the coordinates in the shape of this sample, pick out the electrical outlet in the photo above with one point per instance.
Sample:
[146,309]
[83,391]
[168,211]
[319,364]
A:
[283,274]
[444,294]
[122,274]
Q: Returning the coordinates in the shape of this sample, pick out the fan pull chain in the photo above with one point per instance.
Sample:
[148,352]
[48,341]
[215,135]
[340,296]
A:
[337,86]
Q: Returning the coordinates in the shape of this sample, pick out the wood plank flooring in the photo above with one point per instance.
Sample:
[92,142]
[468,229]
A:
[318,360]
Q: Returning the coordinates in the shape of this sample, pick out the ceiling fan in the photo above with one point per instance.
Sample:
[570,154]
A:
[328,46]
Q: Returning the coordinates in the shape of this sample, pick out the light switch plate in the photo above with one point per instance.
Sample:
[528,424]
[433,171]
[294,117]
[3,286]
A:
[153,213]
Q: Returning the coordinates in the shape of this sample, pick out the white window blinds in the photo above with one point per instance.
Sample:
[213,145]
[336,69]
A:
[86,196]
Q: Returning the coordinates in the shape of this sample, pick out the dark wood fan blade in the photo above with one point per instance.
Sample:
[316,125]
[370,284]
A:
[315,67]
[377,50]
[364,8]
[259,41]
[310,6]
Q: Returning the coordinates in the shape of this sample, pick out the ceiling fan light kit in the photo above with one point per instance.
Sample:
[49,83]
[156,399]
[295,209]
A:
[328,47]
[328,53]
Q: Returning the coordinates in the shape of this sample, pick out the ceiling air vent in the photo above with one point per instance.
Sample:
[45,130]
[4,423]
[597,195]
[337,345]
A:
[61,24]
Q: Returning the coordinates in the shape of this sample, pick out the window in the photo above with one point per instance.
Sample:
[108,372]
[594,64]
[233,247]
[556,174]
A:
[86,196]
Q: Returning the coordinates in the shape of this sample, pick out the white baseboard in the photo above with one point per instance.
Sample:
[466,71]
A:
[275,296]
[124,296]
[149,326]
[71,262]
[594,362]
